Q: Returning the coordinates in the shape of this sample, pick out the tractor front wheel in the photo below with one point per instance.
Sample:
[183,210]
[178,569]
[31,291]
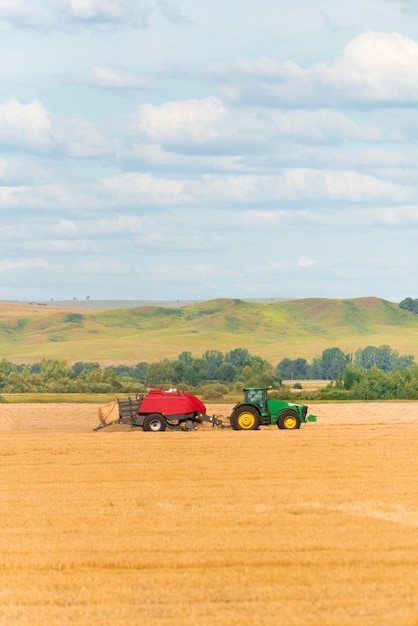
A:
[154,423]
[288,420]
[245,418]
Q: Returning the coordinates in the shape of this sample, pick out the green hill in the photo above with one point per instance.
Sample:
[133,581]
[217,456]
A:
[293,328]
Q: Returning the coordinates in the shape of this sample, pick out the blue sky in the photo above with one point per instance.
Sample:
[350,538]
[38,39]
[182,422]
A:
[181,149]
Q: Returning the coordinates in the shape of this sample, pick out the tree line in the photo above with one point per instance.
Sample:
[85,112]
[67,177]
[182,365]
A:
[333,362]
[369,373]
[375,384]
[213,367]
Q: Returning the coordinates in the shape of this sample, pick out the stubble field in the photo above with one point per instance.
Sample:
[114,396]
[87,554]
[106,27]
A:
[267,528]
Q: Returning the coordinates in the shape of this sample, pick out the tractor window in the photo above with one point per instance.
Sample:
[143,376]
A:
[256,396]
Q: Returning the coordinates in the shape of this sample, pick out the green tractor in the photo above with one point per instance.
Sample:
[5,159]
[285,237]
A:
[259,410]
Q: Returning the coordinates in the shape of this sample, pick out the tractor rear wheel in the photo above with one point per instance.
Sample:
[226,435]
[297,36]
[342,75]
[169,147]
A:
[245,417]
[288,420]
[154,423]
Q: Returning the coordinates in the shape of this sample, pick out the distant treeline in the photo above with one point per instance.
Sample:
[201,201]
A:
[374,373]
[371,373]
[333,362]
[213,366]
[358,384]
[410,304]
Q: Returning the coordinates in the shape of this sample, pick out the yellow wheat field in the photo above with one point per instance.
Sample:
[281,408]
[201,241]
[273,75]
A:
[314,527]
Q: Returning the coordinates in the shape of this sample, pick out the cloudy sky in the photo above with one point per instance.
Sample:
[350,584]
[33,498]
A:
[161,149]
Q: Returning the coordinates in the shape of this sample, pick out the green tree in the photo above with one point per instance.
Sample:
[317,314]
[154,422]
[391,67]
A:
[365,358]
[55,369]
[196,373]
[227,373]
[382,357]
[374,386]
[301,369]
[317,370]
[214,359]
[352,376]
[109,377]
[285,368]
[135,372]
[239,358]
[289,369]
[82,370]
[406,361]
[94,376]
[334,362]
[409,304]
[258,373]
[15,382]
[186,358]
[161,373]
[6,367]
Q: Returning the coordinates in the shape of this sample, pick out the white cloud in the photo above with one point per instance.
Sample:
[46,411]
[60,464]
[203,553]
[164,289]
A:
[137,233]
[375,68]
[282,267]
[69,14]
[401,216]
[172,12]
[390,261]
[112,10]
[277,219]
[77,137]
[139,189]
[25,125]
[102,266]
[11,265]
[135,13]
[62,246]
[294,185]
[393,216]
[31,128]
[194,120]
[299,185]
[50,197]
[213,125]
[22,13]
[17,171]
[155,155]
[64,228]
[145,192]
[306,262]
[100,227]
[108,78]
[192,273]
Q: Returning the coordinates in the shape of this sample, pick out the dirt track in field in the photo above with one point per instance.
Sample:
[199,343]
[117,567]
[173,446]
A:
[317,527]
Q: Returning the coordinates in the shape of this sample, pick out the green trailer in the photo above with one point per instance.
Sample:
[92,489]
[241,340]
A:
[258,409]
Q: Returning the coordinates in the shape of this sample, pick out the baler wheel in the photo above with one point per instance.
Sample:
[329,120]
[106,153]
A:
[154,423]
[245,417]
[288,420]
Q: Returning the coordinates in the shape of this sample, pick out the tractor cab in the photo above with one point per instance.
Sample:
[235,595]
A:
[257,396]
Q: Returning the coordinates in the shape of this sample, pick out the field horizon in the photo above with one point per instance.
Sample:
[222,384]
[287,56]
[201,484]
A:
[279,328]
